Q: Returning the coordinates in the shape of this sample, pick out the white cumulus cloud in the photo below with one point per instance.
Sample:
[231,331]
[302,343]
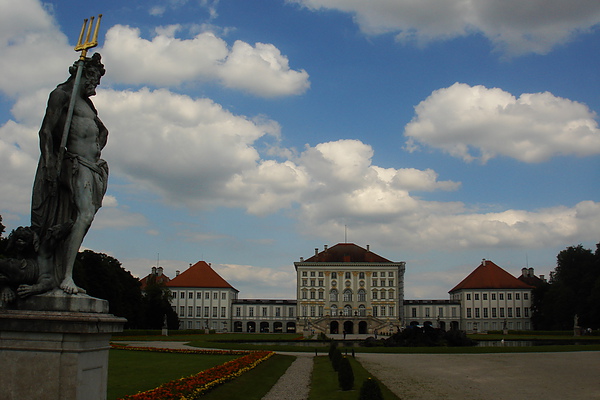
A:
[166,60]
[514,27]
[478,123]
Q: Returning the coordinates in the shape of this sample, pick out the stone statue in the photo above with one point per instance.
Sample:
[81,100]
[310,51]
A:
[69,184]
[71,179]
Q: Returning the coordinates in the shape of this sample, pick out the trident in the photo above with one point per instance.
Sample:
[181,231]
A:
[83,47]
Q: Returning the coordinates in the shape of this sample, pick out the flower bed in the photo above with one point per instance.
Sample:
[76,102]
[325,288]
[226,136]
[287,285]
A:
[193,387]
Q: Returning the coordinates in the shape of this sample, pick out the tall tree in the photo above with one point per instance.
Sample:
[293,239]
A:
[102,276]
[573,291]
[156,305]
[2,239]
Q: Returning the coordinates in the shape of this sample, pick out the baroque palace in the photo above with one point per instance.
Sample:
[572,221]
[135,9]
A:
[348,289]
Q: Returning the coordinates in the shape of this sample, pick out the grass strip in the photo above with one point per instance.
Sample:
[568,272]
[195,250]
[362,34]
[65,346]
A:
[324,384]
[130,372]
[254,384]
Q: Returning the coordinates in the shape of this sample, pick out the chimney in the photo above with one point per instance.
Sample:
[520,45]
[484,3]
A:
[160,271]
[525,272]
[316,251]
[176,273]
[301,259]
[368,247]
[531,274]
[153,270]
[483,262]
[325,247]
[543,278]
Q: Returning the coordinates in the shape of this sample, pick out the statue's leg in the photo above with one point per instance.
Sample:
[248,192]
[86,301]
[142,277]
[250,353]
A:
[83,196]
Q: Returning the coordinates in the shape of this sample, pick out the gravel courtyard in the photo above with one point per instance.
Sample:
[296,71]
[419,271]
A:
[488,376]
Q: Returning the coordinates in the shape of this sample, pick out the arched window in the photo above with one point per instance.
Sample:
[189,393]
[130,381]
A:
[333,295]
[334,310]
[334,275]
[382,294]
[362,310]
[347,311]
[347,295]
[361,275]
[362,295]
[348,275]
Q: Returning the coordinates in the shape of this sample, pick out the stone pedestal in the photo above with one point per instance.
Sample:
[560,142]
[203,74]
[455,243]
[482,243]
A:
[48,353]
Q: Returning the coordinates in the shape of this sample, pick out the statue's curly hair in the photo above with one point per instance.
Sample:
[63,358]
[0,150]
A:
[93,62]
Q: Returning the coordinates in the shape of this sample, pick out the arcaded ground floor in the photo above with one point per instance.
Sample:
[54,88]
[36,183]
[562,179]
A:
[508,376]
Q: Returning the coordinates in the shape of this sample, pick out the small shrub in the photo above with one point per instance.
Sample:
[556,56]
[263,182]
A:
[345,375]
[370,390]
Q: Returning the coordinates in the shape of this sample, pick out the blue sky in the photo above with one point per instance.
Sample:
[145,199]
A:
[247,134]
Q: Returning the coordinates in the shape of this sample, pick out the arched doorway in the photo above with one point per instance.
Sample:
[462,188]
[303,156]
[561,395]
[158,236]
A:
[454,325]
[277,327]
[442,325]
[291,327]
[251,327]
[362,327]
[237,326]
[349,327]
[414,323]
[334,327]
[264,327]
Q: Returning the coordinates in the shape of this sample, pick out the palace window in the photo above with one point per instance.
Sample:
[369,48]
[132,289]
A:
[333,295]
[362,295]
[347,295]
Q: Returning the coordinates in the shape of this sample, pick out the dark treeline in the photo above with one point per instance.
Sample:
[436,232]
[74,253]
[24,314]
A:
[572,293]
[103,276]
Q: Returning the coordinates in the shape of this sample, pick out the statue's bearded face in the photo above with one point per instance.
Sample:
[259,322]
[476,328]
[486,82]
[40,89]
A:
[92,80]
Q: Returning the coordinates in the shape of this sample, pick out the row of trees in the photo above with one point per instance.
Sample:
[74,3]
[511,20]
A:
[103,276]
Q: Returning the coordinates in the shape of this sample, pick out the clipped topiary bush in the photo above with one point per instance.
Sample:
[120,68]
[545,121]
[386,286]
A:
[370,390]
[336,358]
[332,347]
[345,375]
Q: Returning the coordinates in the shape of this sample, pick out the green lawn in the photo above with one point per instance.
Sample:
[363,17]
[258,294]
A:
[325,385]
[267,341]
[130,372]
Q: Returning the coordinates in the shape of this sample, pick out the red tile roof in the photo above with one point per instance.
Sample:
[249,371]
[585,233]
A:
[200,275]
[490,276]
[347,252]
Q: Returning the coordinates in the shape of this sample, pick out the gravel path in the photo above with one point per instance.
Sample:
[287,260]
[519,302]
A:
[509,376]
[294,384]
